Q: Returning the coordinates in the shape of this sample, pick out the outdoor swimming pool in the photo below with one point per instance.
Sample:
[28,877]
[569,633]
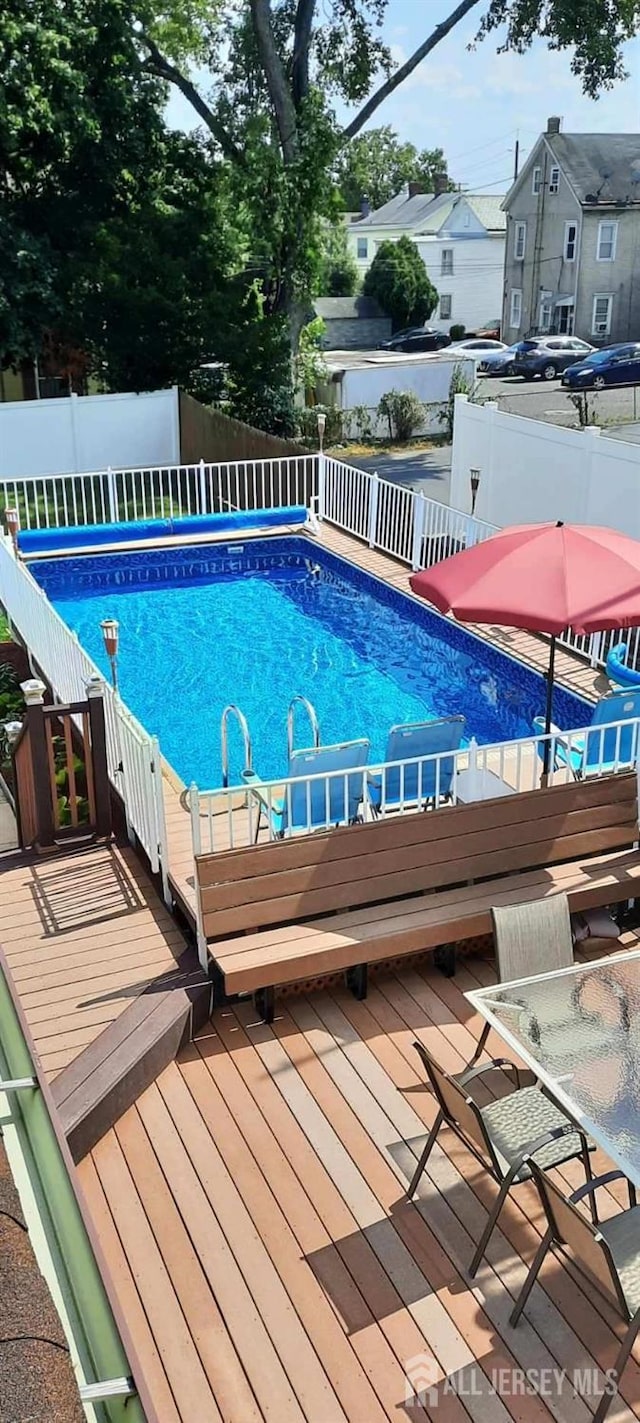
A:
[257,623]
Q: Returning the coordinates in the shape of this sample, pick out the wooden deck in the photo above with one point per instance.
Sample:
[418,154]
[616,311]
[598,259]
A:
[571,671]
[251,1205]
[84,934]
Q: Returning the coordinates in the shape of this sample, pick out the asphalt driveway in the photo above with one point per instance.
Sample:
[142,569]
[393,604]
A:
[426,470]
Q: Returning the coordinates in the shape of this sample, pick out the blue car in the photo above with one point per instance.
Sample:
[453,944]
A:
[615,365]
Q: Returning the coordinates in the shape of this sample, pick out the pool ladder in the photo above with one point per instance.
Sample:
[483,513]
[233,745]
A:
[234,711]
[313,720]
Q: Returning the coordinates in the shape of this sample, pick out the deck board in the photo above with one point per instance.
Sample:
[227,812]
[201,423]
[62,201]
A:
[84,932]
[257,1192]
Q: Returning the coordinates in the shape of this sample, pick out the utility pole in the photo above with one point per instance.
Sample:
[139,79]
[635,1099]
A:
[516,156]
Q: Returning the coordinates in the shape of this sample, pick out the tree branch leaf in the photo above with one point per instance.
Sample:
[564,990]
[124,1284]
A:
[164,68]
[440,33]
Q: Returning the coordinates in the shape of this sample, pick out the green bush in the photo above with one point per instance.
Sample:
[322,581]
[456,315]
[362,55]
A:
[404,412]
[361,424]
[457,332]
[308,424]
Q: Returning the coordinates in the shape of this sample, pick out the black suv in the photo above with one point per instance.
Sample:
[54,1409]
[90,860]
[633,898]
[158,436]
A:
[547,356]
[417,338]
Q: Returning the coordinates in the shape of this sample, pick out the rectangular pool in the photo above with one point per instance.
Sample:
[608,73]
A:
[257,623]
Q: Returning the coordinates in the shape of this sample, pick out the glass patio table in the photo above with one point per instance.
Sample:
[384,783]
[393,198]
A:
[579,1031]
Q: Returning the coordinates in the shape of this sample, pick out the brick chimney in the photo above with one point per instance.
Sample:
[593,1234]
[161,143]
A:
[440,184]
[415,189]
[554,124]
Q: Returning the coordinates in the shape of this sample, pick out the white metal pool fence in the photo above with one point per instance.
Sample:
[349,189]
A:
[133,756]
[255,810]
[402,522]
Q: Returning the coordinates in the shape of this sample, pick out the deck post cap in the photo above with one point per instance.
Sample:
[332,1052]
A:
[94,687]
[12,731]
[33,691]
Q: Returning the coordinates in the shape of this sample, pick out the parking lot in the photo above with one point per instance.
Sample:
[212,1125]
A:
[546,400]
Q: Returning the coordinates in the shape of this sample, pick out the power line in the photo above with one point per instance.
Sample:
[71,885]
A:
[499,138]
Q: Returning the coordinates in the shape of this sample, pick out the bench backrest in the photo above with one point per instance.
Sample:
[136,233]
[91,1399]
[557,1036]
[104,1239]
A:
[311,875]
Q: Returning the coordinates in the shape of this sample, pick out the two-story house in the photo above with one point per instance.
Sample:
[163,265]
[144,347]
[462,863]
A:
[572,261]
[460,237]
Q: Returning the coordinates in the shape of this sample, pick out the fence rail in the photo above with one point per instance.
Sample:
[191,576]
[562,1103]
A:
[133,758]
[421,532]
[117,496]
[401,522]
[250,813]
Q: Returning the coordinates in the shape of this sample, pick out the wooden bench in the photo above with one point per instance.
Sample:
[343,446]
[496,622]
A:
[294,909]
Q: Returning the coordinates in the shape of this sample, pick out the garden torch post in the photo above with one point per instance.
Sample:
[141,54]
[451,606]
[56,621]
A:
[322,423]
[474,479]
[110,634]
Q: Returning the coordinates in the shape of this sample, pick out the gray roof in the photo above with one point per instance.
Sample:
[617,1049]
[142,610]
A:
[606,165]
[427,213]
[347,308]
[403,211]
[488,210]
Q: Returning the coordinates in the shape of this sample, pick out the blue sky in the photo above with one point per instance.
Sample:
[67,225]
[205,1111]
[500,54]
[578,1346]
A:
[474,104]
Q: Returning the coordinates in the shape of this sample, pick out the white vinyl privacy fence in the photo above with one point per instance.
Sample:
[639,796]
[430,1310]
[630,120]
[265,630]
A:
[532,471]
[133,756]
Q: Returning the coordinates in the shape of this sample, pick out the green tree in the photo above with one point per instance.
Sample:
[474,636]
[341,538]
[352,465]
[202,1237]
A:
[338,274]
[376,165]
[78,116]
[398,280]
[159,296]
[278,70]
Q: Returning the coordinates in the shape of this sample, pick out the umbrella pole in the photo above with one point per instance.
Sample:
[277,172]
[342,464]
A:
[548,712]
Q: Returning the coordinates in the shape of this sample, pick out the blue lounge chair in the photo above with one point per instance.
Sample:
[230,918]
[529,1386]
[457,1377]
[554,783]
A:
[331,799]
[605,747]
[414,779]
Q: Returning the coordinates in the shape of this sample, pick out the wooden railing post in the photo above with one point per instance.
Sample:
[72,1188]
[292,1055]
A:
[98,753]
[33,692]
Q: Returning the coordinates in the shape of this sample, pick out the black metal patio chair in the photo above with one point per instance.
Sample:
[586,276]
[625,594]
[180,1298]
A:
[608,1255]
[503,1135]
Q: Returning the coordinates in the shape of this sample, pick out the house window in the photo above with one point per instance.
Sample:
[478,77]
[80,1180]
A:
[363,249]
[546,311]
[554,180]
[515,315]
[607,237]
[570,241]
[519,241]
[446,262]
[445,308]
[601,323]
[536,182]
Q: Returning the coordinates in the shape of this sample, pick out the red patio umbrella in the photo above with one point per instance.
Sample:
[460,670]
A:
[542,577]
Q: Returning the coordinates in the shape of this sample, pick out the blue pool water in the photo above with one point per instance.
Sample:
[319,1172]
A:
[201,627]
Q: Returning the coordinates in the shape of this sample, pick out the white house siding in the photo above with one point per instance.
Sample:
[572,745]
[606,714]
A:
[475,287]
[373,237]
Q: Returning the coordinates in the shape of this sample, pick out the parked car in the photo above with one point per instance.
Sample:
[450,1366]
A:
[614,365]
[479,346]
[499,363]
[549,355]
[417,338]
